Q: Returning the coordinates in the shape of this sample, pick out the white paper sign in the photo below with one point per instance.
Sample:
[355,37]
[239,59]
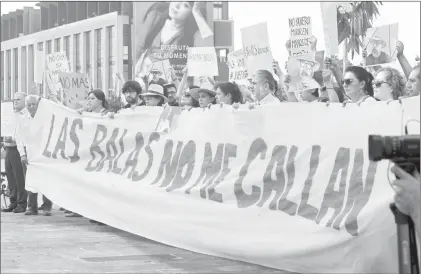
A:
[256,48]
[202,61]
[330,27]
[56,62]
[300,35]
[237,66]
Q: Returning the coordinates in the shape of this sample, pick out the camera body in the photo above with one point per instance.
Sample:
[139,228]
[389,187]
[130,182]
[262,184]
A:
[404,150]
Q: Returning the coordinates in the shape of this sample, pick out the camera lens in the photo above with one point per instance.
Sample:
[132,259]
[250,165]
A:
[375,147]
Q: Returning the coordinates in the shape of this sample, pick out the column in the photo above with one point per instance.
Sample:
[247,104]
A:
[72,55]
[82,51]
[104,59]
[29,67]
[119,48]
[44,82]
[23,69]
[12,72]
[93,58]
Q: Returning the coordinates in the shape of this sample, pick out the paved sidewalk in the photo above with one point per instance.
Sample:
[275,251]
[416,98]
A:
[56,244]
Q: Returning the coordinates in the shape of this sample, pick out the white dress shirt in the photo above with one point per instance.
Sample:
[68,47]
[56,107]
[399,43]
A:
[17,121]
[22,132]
[269,99]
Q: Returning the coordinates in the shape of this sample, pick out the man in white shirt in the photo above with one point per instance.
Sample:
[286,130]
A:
[14,169]
[264,87]
[22,135]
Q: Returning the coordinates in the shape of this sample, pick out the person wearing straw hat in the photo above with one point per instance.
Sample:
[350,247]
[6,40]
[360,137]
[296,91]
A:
[377,55]
[204,95]
[154,96]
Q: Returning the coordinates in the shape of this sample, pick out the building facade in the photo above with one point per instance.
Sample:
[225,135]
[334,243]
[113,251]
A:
[96,37]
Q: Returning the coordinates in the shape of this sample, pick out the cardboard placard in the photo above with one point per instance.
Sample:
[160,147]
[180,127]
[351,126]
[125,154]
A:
[202,61]
[256,48]
[300,35]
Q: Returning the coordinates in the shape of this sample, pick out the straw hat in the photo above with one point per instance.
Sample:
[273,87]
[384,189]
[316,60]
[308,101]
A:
[377,40]
[155,90]
[155,70]
[195,92]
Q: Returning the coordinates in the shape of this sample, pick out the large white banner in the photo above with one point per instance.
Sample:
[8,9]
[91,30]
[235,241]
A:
[296,192]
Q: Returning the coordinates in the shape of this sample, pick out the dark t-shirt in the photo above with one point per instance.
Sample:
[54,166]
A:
[160,82]
[141,103]
[174,104]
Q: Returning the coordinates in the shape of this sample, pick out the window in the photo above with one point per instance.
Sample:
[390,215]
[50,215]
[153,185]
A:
[88,54]
[217,10]
[111,57]
[77,51]
[126,53]
[98,59]
[67,46]
[49,47]
[57,45]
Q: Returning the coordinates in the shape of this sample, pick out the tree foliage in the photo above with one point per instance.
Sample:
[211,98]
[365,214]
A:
[354,19]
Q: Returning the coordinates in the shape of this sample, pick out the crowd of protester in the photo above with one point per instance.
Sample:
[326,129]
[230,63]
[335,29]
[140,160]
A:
[356,85]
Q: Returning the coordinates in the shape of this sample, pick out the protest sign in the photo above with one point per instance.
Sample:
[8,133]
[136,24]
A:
[244,172]
[237,66]
[256,48]
[300,35]
[202,61]
[56,62]
[330,27]
[76,87]
[151,46]
[7,119]
[380,44]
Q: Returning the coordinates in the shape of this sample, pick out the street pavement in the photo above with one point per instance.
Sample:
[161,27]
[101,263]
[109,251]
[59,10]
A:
[56,244]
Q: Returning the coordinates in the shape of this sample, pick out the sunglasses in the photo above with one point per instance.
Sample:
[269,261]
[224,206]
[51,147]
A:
[347,81]
[378,84]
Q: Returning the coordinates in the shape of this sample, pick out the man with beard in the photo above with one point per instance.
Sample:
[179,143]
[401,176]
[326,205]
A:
[131,91]
[377,56]
[171,94]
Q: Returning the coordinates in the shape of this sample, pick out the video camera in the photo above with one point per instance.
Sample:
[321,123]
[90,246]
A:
[404,150]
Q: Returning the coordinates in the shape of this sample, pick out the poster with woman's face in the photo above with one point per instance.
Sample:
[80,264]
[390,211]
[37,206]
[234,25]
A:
[165,30]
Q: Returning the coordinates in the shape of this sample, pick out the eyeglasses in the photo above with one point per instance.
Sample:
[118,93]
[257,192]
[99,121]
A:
[347,81]
[378,84]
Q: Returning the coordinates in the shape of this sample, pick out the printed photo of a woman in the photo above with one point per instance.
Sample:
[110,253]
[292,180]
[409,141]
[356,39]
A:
[166,31]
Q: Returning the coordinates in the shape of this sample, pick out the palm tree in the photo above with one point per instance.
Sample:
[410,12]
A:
[354,19]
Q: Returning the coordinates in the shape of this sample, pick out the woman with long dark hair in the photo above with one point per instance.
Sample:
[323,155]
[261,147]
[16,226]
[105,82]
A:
[172,27]
[358,84]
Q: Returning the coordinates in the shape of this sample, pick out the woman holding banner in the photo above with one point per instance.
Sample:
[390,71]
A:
[358,85]
[228,93]
[172,27]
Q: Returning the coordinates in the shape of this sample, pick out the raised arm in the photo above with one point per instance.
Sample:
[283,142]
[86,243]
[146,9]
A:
[202,25]
[406,67]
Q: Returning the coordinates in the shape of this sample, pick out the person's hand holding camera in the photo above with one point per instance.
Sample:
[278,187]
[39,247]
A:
[407,196]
